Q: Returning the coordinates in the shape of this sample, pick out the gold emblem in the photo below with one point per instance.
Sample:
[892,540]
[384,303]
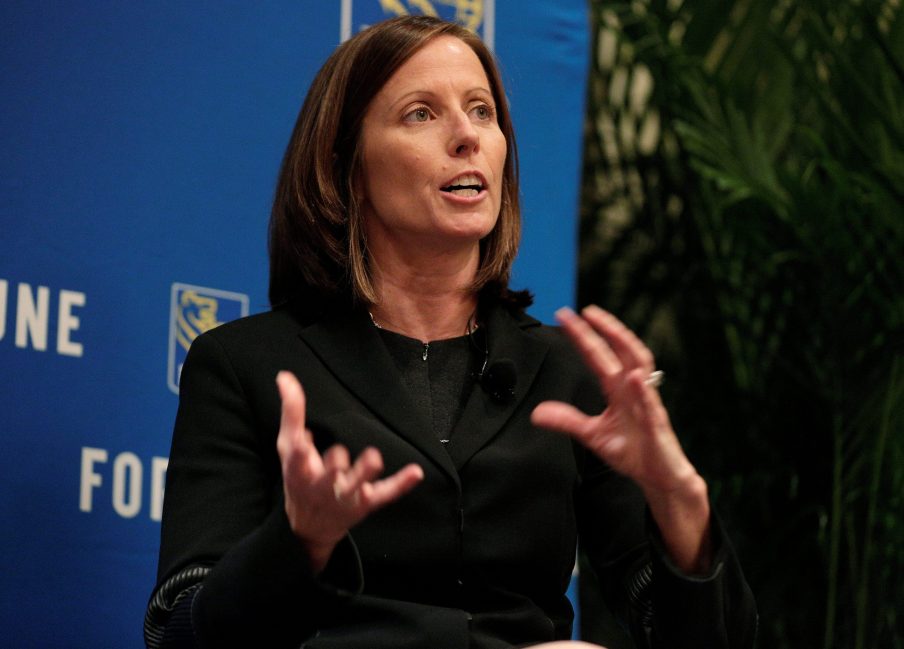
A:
[196,314]
[468,13]
[194,310]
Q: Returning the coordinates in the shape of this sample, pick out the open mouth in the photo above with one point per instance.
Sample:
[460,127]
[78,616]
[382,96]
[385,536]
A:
[467,185]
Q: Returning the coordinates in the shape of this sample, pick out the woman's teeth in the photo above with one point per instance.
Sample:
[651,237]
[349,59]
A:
[468,185]
[464,191]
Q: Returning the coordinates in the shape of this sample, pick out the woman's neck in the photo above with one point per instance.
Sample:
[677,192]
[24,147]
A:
[428,298]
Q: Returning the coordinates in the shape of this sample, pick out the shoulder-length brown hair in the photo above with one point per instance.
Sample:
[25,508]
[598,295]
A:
[317,246]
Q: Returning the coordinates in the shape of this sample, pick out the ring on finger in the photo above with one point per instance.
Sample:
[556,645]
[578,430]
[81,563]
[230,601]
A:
[654,380]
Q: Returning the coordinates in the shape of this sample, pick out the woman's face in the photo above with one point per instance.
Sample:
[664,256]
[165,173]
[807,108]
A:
[433,153]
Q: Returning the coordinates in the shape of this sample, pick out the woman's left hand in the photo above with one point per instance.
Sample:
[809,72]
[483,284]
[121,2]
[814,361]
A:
[633,434]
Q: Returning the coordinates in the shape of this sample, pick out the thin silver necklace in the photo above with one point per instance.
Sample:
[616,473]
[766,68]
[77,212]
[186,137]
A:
[470,328]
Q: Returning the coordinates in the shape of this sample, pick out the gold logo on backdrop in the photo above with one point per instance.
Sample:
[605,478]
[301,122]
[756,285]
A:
[468,13]
[195,315]
[194,310]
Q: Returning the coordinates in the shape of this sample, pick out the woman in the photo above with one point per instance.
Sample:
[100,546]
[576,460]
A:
[412,494]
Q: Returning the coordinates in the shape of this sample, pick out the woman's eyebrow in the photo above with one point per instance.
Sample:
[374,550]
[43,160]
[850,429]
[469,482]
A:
[426,92]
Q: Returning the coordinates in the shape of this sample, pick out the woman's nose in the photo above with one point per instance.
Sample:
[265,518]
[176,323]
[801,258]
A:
[464,139]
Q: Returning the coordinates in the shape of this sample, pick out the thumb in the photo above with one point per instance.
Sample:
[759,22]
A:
[559,416]
[293,401]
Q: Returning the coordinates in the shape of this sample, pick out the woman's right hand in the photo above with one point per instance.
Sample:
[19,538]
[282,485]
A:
[328,495]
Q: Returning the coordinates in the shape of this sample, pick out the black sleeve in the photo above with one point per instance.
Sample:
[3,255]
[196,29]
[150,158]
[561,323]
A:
[231,571]
[660,606]
[714,610]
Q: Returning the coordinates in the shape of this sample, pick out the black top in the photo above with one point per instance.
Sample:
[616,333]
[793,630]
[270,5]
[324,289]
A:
[478,556]
[439,375]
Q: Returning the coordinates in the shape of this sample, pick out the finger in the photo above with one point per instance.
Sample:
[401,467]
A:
[293,402]
[648,408]
[593,349]
[367,467]
[630,350]
[347,480]
[347,484]
[562,417]
[382,492]
[337,464]
[294,443]
[670,466]
[565,418]
[336,459]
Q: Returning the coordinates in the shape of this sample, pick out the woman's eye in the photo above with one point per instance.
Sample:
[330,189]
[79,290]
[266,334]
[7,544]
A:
[418,115]
[483,112]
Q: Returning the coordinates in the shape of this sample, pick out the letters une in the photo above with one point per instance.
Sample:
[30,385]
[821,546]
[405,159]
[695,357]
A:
[32,316]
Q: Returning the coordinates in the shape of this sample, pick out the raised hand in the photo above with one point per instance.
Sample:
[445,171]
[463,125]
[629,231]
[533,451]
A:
[327,495]
[633,434]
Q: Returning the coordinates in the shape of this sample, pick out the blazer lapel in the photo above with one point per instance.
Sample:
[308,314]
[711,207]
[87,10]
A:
[351,348]
[483,417]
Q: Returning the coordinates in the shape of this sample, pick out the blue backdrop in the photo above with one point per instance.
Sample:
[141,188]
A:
[140,145]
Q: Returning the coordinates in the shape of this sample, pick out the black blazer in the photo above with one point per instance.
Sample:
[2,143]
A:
[478,555]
